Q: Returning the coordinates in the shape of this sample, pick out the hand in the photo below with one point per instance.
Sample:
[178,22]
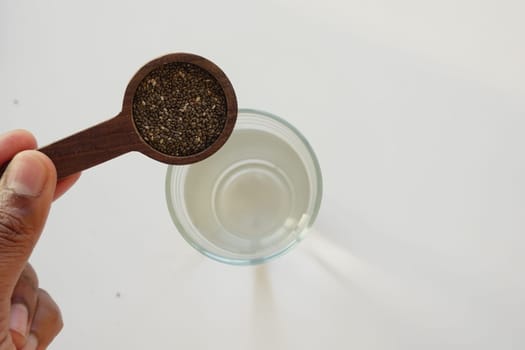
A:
[29,318]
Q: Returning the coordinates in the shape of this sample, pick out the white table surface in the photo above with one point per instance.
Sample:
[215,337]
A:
[416,111]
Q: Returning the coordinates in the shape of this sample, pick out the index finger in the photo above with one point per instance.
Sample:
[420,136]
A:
[13,142]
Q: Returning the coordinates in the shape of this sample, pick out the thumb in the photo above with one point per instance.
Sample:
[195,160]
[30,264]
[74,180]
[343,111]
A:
[26,193]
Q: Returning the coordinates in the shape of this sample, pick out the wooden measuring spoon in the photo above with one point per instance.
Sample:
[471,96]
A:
[120,135]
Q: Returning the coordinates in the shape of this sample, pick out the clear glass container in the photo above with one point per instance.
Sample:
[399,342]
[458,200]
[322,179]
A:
[254,199]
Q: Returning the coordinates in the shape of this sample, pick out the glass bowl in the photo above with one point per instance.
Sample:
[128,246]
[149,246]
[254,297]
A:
[254,199]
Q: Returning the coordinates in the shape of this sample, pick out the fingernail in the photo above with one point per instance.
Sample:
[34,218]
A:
[32,343]
[26,174]
[19,318]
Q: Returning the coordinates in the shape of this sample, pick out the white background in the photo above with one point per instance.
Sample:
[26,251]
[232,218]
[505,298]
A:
[416,111]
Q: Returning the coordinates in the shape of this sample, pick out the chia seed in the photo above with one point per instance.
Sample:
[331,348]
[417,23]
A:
[179,109]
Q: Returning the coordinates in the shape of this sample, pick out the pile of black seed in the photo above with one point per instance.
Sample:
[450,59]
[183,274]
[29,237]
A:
[179,109]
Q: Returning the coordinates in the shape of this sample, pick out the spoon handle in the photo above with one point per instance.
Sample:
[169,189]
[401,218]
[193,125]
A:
[91,146]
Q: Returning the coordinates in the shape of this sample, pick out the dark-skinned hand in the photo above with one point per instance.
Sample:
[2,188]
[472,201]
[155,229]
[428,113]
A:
[29,318]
